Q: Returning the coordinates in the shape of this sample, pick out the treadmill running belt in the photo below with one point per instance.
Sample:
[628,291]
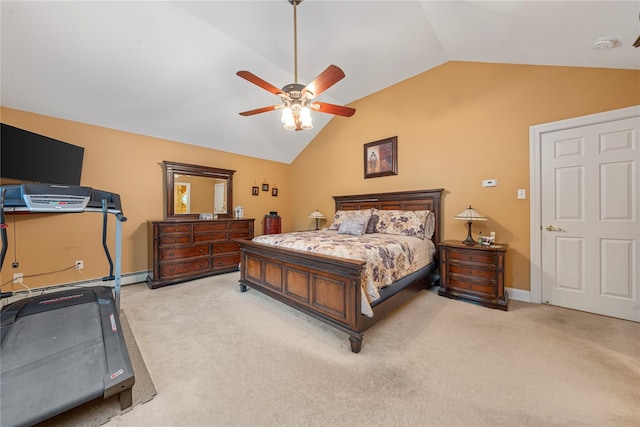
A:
[52,360]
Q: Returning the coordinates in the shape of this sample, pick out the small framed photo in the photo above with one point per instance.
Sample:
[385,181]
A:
[265,187]
[381,158]
[274,192]
[255,191]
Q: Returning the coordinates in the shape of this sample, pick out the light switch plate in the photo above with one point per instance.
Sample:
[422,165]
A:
[490,182]
[522,193]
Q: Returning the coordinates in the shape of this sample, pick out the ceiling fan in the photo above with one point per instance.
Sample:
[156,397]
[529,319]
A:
[296,98]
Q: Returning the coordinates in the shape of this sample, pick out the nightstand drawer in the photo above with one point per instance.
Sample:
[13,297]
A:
[479,257]
[467,286]
[465,270]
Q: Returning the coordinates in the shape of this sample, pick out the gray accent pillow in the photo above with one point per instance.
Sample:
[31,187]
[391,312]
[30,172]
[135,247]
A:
[353,226]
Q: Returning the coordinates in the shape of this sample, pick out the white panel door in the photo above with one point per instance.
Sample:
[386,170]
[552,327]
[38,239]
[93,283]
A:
[589,215]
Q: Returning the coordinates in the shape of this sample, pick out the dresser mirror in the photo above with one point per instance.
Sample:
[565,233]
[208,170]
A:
[193,190]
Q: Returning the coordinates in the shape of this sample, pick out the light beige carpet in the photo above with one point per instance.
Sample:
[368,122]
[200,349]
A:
[99,411]
[219,357]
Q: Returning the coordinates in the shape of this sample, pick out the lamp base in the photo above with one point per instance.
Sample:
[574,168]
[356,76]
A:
[317,228]
[469,240]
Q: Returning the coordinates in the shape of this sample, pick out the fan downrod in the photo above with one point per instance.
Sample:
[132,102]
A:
[297,2]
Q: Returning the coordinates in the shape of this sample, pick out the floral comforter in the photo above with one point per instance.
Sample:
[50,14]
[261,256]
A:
[387,257]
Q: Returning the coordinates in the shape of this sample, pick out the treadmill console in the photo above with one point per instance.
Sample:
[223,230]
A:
[55,198]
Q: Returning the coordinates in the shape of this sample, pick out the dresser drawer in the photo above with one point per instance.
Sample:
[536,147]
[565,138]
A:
[231,260]
[184,252]
[190,267]
[174,228]
[173,239]
[465,270]
[210,226]
[222,247]
[209,237]
[480,257]
[461,284]
[240,234]
[241,225]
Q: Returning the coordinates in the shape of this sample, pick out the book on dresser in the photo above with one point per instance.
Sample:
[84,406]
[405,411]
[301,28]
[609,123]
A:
[185,250]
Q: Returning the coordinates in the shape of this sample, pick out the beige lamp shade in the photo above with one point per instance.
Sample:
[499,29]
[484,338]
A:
[470,215]
[317,215]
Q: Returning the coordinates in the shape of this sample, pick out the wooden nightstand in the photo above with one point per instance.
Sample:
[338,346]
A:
[473,273]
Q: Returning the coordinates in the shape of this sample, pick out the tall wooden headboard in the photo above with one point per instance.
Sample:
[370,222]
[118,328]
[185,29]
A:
[402,200]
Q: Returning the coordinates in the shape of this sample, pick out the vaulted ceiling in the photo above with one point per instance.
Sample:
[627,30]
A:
[167,68]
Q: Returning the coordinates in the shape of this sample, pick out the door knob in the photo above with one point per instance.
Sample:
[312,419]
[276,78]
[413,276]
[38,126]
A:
[552,228]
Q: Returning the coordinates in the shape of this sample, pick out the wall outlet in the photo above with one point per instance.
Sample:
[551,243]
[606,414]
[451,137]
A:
[490,182]
[17,277]
[522,193]
[79,265]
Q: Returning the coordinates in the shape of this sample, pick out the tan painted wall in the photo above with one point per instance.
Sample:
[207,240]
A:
[457,125]
[130,165]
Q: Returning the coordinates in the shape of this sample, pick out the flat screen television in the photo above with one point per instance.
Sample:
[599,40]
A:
[28,157]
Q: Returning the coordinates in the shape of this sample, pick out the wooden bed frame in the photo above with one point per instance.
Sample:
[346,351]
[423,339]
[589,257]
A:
[327,287]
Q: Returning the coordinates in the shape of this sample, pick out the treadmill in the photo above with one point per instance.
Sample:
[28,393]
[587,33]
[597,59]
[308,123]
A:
[61,349]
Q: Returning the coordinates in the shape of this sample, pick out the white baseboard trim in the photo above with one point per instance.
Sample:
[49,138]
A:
[519,294]
[125,279]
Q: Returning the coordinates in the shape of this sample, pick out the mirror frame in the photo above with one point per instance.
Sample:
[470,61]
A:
[173,168]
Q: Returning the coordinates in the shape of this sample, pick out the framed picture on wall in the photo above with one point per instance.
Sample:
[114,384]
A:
[265,187]
[274,192]
[255,191]
[381,158]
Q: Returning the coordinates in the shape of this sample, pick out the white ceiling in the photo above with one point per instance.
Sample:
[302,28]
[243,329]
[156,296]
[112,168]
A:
[167,68]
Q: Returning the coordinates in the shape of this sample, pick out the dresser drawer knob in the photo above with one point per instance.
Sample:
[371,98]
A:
[201,250]
[469,273]
[201,265]
[170,253]
[220,247]
[171,270]
[220,262]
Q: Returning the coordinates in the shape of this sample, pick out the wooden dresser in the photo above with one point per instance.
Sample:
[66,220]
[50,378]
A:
[474,273]
[272,224]
[187,250]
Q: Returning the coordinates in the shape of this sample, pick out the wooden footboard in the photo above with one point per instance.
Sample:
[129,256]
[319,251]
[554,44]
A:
[322,286]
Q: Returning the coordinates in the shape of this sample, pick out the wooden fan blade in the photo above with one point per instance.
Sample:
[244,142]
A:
[260,110]
[249,76]
[324,81]
[338,110]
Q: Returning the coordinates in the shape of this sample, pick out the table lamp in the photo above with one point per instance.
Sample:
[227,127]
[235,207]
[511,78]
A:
[317,215]
[469,215]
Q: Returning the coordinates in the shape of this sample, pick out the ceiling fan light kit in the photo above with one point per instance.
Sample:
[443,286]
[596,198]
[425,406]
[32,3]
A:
[296,98]
[605,43]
